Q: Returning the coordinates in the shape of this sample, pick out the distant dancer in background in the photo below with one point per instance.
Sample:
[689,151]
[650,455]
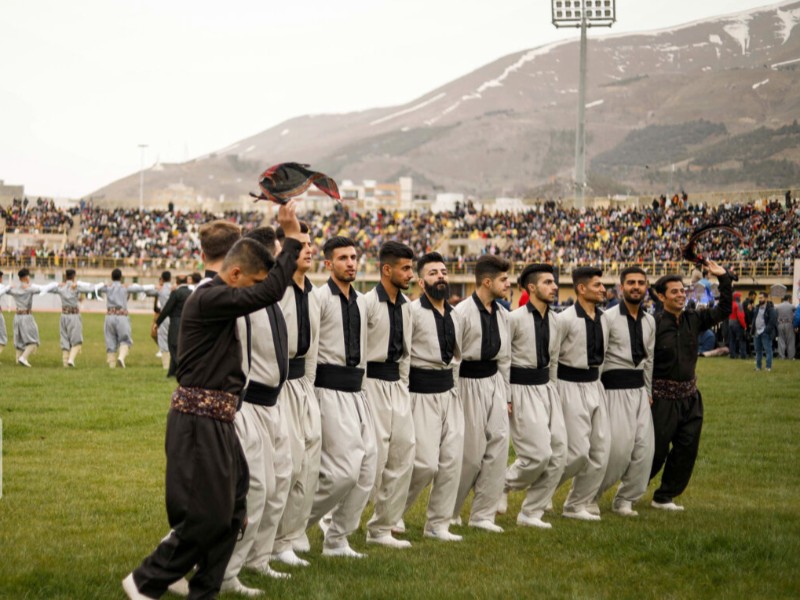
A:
[26,332]
[71,326]
[164,289]
[3,333]
[171,313]
[785,312]
[117,324]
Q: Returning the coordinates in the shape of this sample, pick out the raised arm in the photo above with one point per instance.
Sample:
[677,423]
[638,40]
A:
[711,316]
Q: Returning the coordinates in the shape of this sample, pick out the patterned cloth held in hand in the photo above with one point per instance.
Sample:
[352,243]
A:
[284,181]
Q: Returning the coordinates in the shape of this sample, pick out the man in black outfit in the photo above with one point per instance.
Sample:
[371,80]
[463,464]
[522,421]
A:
[206,478]
[677,404]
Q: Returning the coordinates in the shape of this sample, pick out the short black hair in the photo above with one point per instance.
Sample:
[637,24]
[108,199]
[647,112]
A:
[1,274]
[763,293]
[264,235]
[392,251]
[217,237]
[582,275]
[531,274]
[630,271]
[336,242]
[181,279]
[69,274]
[430,257]
[281,234]
[196,277]
[116,275]
[250,256]
[490,266]
[166,276]
[660,286]
[23,272]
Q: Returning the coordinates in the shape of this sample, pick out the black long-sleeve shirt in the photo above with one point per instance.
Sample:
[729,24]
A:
[173,310]
[676,338]
[209,352]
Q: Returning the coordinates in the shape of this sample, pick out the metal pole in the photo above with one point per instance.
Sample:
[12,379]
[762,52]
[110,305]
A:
[580,133]
[142,148]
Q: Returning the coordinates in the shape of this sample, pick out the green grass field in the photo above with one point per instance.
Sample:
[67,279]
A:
[83,499]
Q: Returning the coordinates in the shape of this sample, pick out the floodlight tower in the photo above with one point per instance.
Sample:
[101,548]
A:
[582,14]
[142,148]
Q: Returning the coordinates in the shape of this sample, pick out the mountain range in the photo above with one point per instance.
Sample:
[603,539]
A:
[706,105]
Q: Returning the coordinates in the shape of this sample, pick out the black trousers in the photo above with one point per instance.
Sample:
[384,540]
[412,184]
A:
[676,423]
[207,482]
[737,342]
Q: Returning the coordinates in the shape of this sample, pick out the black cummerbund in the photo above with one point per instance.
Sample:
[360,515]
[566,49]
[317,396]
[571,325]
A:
[622,379]
[387,371]
[297,367]
[529,376]
[339,378]
[263,395]
[574,375]
[477,369]
[430,381]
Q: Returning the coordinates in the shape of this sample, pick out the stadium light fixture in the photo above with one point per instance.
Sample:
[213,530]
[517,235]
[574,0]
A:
[582,14]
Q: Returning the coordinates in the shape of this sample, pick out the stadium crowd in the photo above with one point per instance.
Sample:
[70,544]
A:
[549,232]
[41,216]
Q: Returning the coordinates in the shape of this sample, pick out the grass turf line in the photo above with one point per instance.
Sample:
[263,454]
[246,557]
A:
[84,500]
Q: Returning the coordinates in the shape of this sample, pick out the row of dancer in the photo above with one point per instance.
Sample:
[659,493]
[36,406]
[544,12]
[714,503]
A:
[116,327]
[373,396]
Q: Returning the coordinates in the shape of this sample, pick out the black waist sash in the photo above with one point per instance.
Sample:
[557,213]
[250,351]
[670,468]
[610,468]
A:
[477,369]
[260,394]
[339,378]
[567,373]
[623,379]
[387,371]
[430,381]
[529,376]
[297,367]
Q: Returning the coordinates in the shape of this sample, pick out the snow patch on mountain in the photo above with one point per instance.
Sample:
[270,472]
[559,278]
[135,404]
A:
[416,107]
[789,18]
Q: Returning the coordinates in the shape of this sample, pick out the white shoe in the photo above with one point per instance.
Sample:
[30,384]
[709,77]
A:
[121,363]
[624,509]
[442,535]
[70,364]
[388,541]
[301,544]
[486,525]
[668,506]
[502,505]
[344,551]
[129,586]
[24,362]
[580,515]
[288,557]
[456,521]
[400,527]
[526,521]
[593,509]
[265,569]
[180,587]
[158,354]
[237,587]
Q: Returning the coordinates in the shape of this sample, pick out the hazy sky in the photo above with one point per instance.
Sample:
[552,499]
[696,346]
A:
[83,83]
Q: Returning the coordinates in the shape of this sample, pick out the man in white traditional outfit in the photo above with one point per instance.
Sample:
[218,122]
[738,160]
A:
[300,409]
[483,386]
[628,381]
[389,333]
[537,418]
[438,414]
[349,455]
[583,333]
